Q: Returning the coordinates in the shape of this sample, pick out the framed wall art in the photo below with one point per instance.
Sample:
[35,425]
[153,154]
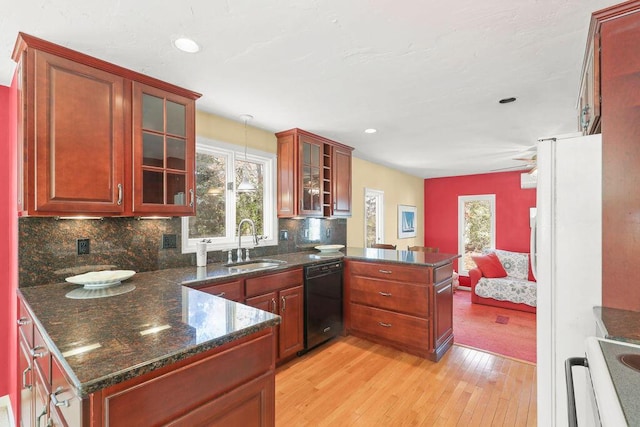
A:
[406,221]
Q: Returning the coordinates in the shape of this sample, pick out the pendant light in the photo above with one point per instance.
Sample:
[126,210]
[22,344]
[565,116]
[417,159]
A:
[245,186]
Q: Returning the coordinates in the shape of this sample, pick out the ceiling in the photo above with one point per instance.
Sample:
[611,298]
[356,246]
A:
[427,74]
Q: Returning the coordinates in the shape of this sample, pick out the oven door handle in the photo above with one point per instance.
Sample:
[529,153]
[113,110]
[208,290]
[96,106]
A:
[571,397]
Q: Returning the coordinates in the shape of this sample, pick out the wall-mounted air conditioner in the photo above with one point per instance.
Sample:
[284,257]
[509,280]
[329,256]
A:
[529,180]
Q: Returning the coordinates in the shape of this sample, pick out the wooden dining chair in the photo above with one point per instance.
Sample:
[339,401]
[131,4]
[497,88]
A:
[423,248]
[383,246]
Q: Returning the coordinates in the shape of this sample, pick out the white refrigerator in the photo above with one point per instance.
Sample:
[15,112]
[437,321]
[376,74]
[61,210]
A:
[568,265]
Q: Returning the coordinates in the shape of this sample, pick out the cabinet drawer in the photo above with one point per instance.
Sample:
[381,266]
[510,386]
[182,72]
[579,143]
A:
[146,402]
[231,290]
[69,405]
[397,272]
[442,273]
[25,323]
[273,282]
[396,296]
[401,328]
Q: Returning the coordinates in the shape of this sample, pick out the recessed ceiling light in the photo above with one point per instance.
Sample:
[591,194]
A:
[506,100]
[370,130]
[186,45]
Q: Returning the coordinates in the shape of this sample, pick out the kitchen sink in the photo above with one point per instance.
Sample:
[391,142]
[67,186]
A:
[260,264]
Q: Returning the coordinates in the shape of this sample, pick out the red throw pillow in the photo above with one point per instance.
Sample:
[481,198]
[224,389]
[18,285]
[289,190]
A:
[490,265]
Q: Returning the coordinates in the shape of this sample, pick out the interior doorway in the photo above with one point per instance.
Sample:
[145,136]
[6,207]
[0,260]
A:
[373,217]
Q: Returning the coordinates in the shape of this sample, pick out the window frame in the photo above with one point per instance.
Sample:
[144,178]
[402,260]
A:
[232,153]
[491,198]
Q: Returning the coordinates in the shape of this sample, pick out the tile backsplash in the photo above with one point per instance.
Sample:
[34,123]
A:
[48,252]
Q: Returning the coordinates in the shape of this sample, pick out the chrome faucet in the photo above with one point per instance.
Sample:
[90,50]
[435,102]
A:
[255,237]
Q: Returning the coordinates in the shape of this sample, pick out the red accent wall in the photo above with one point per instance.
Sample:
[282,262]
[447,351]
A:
[8,244]
[512,209]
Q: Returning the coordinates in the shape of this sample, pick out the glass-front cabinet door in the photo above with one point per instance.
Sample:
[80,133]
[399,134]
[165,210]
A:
[311,167]
[164,150]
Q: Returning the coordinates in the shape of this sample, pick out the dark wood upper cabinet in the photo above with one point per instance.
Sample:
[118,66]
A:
[163,149]
[618,28]
[341,181]
[84,125]
[314,175]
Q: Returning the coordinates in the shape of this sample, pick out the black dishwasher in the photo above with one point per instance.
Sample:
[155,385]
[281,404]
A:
[322,303]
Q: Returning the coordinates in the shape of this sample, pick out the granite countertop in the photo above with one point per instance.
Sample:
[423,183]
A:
[620,325]
[215,273]
[427,259]
[189,321]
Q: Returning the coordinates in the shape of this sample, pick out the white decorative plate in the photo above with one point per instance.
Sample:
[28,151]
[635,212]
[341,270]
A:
[329,248]
[101,279]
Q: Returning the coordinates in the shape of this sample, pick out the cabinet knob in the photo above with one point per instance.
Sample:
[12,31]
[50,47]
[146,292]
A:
[38,351]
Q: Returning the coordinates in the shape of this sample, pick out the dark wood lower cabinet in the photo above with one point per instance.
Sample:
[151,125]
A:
[251,404]
[233,384]
[409,307]
[205,388]
[281,294]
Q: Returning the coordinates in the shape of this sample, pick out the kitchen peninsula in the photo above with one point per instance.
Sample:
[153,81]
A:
[108,356]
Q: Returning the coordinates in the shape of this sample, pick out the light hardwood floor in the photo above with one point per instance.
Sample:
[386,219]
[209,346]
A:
[353,382]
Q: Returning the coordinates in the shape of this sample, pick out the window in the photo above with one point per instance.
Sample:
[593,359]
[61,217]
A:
[373,217]
[476,228]
[220,168]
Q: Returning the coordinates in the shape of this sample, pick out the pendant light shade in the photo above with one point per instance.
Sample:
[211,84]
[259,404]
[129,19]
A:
[245,185]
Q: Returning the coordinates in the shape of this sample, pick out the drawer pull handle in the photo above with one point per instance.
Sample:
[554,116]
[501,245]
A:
[119,194]
[385,271]
[23,321]
[385,325]
[221,294]
[273,305]
[42,414]
[385,294]
[24,379]
[191,198]
[327,329]
[38,351]
[284,303]
[56,402]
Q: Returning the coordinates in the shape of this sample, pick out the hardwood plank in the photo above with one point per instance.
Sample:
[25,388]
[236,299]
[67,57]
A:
[353,382]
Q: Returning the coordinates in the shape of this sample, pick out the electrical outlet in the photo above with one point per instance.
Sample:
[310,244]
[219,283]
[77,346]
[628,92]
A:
[169,241]
[306,233]
[82,246]
[328,233]
[284,234]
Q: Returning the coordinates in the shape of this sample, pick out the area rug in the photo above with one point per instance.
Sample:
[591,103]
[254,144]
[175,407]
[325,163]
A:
[502,331]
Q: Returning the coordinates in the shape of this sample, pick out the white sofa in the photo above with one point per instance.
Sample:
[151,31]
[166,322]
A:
[515,291]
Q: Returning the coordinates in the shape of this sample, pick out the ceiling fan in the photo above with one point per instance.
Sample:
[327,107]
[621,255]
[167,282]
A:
[529,158]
